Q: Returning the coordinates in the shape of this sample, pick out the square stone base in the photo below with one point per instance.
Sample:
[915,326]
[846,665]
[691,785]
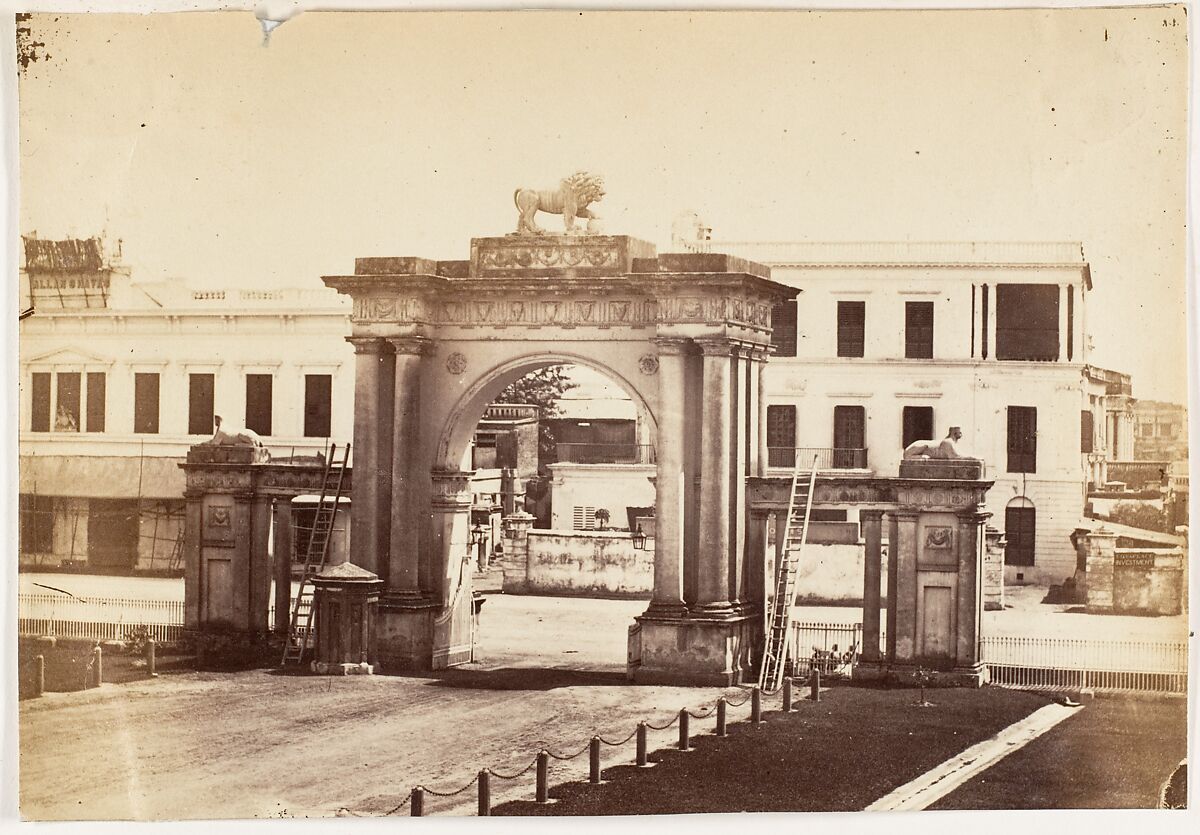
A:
[974,675]
[404,635]
[693,651]
[327,668]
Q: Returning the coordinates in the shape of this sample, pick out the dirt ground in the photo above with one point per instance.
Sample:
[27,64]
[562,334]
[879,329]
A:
[260,744]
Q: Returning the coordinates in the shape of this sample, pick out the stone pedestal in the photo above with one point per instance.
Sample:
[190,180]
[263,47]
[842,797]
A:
[694,651]
[346,598]
[993,570]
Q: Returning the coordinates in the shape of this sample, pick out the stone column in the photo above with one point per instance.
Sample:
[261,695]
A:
[260,562]
[905,606]
[282,565]
[370,509]
[990,324]
[1101,548]
[451,505]
[669,493]
[516,551]
[756,557]
[892,594]
[756,414]
[872,530]
[402,572]
[1062,323]
[760,442]
[970,588]
[193,532]
[993,570]
[716,442]
[741,419]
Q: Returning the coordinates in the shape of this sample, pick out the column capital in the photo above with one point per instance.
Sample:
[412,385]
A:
[451,488]
[873,514]
[368,344]
[411,345]
[716,346]
[671,345]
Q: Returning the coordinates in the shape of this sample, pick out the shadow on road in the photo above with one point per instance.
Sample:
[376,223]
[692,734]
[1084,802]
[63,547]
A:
[525,678]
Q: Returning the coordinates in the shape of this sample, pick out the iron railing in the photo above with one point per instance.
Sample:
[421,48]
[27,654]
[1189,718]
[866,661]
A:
[605,453]
[1049,663]
[97,618]
[827,458]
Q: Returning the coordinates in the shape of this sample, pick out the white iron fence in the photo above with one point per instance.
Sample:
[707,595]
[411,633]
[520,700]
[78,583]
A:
[98,618]
[1154,666]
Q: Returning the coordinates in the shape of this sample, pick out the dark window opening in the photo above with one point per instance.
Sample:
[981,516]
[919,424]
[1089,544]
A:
[849,437]
[200,403]
[1087,431]
[37,524]
[113,532]
[97,386]
[39,396]
[1027,322]
[1071,322]
[67,414]
[1020,528]
[783,328]
[972,320]
[984,336]
[781,436]
[318,405]
[918,330]
[851,324]
[258,403]
[1022,439]
[917,425]
[145,403]
[827,514]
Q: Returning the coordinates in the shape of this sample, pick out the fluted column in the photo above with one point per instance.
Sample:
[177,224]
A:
[872,531]
[402,575]
[716,466]
[669,494]
[370,510]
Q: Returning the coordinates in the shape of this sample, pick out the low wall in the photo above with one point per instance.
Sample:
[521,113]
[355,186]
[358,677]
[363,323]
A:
[1149,581]
[585,563]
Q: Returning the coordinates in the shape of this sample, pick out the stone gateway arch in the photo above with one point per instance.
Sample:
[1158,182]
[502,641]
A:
[687,335]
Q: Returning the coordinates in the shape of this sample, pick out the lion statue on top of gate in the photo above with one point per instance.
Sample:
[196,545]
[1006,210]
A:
[571,200]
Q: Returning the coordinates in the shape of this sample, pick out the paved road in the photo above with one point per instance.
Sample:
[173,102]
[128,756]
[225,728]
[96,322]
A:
[259,744]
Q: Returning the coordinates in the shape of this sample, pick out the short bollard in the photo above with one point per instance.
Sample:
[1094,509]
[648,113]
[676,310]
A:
[755,705]
[151,646]
[594,762]
[542,794]
[683,729]
[416,802]
[787,695]
[485,793]
[721,717]
[641,744]
[39,683]
[97,666]
[815,682]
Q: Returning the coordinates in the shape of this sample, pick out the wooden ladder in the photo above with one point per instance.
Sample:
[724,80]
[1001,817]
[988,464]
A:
[300,624]
[778,643]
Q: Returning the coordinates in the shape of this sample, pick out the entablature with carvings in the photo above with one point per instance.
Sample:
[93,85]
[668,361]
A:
[766,493]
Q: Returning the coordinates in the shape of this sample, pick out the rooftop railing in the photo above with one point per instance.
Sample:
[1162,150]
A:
[605,453]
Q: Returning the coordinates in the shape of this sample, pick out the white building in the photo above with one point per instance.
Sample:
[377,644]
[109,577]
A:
[885,344]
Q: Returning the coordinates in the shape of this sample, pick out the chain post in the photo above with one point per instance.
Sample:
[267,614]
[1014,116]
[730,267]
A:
[151,651]
[97,666]
[721,717]
[815,680]
[543,777]
[39,683]
[485,793]
[594,761]
[417,802]
[756,705]
[641,744]
[787,695]
[683,729]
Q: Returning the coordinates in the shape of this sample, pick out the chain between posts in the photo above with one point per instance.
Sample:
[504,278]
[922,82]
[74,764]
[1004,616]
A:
[520,773]
[428,790]
[622,742]
[570,756]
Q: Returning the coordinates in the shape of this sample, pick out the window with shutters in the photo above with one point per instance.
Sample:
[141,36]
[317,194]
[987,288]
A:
[1020,529]
[1022,439]
[258,403]
[97,389]
[1027,322]
[783,328]
[781,436]
[67,416]
[918,330]
[39,396]
[145,403]
[37,523]
[1087,431]
[917,425]
[851,328]
[200,403]
[583,518]
[318,404]
[849,436]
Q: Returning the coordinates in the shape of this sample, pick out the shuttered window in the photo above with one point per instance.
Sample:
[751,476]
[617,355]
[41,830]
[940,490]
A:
[1027,322]
[200,404]
[783,328]
[849,436]
[318,404]
[1086,431]
[918,330]
[583,518]
[1020,528]
[39,396]
[258,403]
[67,416]
[97,388]
[781,436]
[1022,439]
[145,403]
[851,325]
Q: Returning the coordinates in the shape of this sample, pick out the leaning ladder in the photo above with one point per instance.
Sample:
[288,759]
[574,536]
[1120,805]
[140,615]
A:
[778,645]
[300,624]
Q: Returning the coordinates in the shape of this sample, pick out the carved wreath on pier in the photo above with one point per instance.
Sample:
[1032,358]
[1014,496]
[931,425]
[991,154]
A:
[456,363]
[648,364]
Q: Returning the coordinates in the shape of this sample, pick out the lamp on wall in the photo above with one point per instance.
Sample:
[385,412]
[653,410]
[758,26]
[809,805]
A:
[639,539]
[479,534]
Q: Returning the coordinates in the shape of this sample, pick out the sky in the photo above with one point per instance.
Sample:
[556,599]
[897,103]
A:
[228,162]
